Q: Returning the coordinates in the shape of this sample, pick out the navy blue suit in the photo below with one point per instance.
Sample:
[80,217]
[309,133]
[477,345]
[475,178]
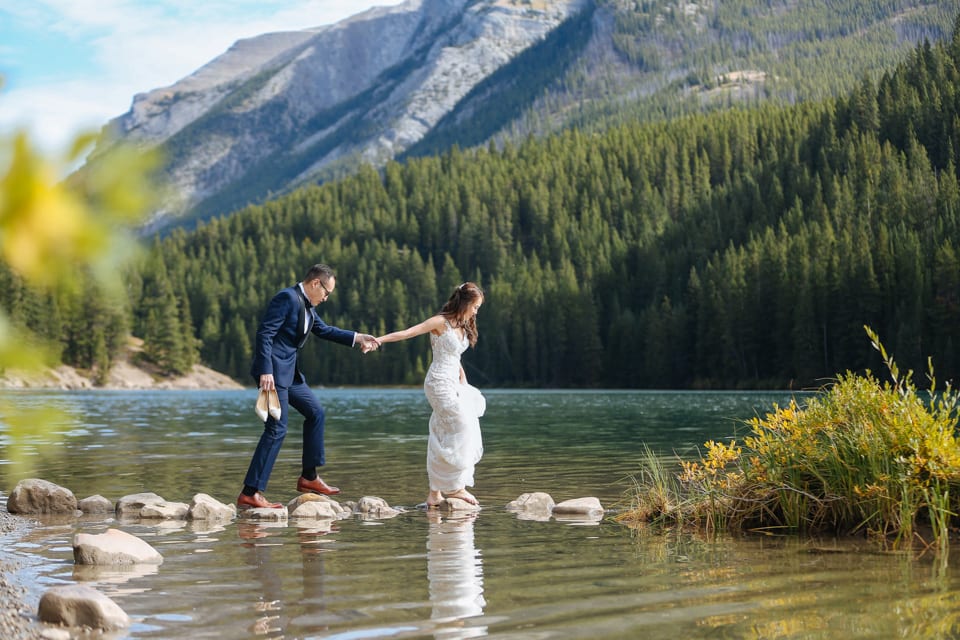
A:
[279,339]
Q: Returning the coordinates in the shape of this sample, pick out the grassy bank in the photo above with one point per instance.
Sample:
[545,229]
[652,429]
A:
[861,457]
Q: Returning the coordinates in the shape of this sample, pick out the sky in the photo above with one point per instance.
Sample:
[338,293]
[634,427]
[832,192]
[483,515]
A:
[69,66]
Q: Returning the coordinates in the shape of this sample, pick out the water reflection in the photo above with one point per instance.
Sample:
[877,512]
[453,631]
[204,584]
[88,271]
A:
[115,574]
[258,555]
[455,573]
[410,577]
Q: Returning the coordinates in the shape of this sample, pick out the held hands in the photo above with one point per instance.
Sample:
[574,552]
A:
[367,342]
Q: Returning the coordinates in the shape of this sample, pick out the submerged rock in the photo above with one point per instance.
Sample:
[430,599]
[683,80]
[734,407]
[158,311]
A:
[264,515]
[150,506]
[376,507]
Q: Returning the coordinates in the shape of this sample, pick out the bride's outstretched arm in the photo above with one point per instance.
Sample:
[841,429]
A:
[430,324]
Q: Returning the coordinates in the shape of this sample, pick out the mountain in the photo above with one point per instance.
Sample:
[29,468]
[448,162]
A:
[286,109]
[282,109]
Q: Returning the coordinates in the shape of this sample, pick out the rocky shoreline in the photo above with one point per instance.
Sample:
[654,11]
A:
[16,618]
[123,376]
[64,610]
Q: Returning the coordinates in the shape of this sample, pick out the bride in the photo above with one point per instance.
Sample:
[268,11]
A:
[455,445]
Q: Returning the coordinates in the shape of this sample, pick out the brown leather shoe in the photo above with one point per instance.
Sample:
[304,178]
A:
[315,486]
[256,501]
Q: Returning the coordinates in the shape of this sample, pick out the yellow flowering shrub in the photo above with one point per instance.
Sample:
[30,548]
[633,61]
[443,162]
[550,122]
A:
[859,456]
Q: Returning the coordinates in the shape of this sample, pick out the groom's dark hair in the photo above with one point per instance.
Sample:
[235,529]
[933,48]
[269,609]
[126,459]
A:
[321,271]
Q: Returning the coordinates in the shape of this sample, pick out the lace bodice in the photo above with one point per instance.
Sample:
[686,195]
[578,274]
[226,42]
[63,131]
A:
[447,348]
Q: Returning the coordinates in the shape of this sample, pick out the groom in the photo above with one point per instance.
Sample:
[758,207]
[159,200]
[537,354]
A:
[289,320]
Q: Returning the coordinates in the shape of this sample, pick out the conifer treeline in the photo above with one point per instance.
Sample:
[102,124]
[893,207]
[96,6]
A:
[746,248]
[739,249]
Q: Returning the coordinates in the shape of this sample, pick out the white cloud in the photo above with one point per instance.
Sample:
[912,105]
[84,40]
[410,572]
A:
[54,114]
[137,46]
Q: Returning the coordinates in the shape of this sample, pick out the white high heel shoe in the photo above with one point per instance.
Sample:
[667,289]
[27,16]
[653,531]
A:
[262,406]
[273,402]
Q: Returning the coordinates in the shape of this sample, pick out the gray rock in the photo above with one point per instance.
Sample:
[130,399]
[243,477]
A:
[95,504]
[165,511]
[264,515]
[205,507]
[40,496]
[340,511]
[533,506]
[131,506]
[590,507]
[313,497]
[150,506]
[78,605]
[112,548]
[317,510]
[376,507]
[457,504]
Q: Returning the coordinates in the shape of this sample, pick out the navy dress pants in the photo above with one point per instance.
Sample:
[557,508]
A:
[300,397]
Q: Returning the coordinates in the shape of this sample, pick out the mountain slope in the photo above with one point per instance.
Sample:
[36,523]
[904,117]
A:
[282,110]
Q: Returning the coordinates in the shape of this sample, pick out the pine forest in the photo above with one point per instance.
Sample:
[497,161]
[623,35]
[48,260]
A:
[743,248]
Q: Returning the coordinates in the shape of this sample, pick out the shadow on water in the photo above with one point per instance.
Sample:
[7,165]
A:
[426,575]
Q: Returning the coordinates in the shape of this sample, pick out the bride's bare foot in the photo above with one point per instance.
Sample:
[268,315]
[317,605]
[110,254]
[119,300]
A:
[464,495]
[434,498]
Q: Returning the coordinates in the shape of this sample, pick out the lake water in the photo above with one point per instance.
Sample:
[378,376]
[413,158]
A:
[420,575]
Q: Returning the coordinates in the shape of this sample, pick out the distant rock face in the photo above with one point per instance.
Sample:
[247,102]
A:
[280,109]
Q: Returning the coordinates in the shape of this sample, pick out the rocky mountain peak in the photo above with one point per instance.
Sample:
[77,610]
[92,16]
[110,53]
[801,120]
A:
[282,109]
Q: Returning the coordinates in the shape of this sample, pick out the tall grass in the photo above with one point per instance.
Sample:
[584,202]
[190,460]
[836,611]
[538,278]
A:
[860,457]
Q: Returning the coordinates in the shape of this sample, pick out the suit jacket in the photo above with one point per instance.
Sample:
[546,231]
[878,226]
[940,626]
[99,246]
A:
[280,336]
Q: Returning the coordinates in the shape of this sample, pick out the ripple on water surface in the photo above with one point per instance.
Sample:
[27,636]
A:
[419,575]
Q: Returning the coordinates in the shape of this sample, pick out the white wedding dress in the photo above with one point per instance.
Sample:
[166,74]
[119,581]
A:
[455,444]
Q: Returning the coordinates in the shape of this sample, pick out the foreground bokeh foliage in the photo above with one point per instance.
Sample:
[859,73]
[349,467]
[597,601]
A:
[860,457]
[69,240]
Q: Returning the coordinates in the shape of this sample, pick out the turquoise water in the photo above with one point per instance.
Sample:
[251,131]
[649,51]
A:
[420,575]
